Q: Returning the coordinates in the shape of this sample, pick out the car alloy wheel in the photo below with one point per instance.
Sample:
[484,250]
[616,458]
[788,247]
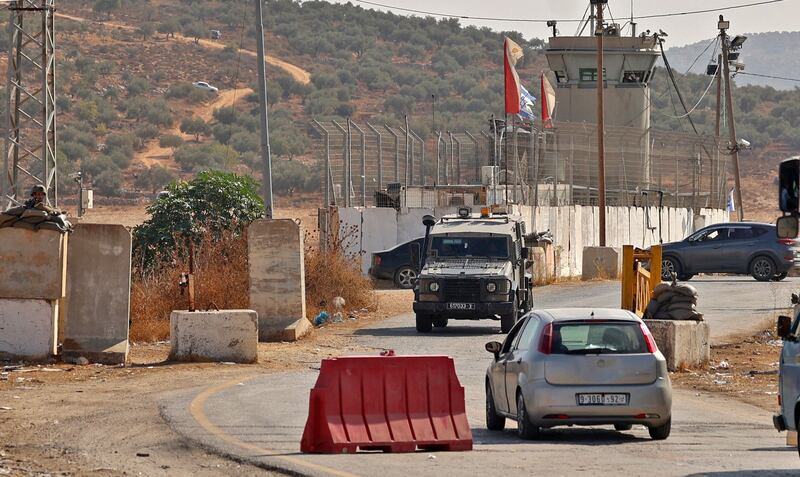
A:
[525,429]
[763,269]
[494,421]
[406,278]
[668,267]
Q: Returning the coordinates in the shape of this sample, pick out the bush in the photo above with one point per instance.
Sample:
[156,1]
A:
[195,126]
[154,178]
[108,182]
[221,278]
[213,202]
[170,140]
[197,157]
[226,115]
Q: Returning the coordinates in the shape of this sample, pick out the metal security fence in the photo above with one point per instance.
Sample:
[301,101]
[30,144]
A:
[380,165]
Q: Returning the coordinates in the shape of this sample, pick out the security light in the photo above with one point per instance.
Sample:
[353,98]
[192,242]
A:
[723,24]
[738,41]
[733,56]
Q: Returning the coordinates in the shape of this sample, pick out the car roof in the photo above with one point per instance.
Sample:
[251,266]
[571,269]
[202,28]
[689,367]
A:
[495,225]
[567,314]
[740,224]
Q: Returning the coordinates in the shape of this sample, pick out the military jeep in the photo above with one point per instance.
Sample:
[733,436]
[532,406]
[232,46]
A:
[473,268]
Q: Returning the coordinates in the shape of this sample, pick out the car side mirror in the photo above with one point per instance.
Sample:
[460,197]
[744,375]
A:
[787,226]
[494,347]
[784,327]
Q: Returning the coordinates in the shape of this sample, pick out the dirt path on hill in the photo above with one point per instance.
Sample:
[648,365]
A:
[299,74]
[153,153]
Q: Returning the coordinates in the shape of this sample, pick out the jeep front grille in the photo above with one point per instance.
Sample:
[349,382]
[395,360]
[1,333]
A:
[462,290]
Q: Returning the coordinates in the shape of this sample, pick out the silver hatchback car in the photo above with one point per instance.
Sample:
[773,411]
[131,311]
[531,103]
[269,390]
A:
[578,366]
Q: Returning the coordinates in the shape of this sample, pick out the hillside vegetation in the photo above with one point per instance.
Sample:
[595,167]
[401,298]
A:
[131,120]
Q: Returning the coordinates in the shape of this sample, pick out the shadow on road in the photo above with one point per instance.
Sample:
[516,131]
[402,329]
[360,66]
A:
[748,473]
[578,436]
[443,332]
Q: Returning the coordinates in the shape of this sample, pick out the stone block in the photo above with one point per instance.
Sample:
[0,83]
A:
[277,276]
[32,264]
[28,329]
[96,310]
[223,335]
[683,343]
[601,263]
[791,438]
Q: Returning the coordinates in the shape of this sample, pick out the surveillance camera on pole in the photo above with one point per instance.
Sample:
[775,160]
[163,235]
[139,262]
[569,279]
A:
[742,144]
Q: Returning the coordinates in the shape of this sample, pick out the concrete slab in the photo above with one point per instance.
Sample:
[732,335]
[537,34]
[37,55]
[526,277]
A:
[96,310]
[277,276]
[32,264]
[378,232]
[601,263]
[683,343]
[539,266]
[28,329]
[224,335]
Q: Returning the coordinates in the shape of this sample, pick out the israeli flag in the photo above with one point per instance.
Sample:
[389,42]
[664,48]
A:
[526,101]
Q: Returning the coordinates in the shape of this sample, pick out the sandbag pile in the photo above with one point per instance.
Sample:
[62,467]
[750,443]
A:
[673,302]
[39,217]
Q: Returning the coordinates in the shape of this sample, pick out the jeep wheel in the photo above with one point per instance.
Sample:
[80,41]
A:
[507,321]
[424,323]
[440,322]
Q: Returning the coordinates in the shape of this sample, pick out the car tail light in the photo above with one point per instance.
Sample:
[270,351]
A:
[787,241]
[546,343]
[376,260]
[556,416]
[648,338]
[646,416]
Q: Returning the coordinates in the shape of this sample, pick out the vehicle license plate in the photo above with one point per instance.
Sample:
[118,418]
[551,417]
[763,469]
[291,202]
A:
[602,399]
[461,306]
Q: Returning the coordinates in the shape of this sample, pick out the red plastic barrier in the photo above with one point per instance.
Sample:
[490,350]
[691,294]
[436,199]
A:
[387,403]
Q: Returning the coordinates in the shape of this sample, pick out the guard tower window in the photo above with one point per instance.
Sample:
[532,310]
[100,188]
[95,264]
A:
[561,77]
[633,77]
[590,74]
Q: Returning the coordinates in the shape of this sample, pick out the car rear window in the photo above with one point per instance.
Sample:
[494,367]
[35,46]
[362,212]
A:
[598,337]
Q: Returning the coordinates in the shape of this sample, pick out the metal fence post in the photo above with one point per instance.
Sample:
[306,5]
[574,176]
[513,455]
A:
[326,163]
[396,152]
[421,157]
[363,163]
[345,168]
[380,155]
[438,156]
[476,155]
[409,156]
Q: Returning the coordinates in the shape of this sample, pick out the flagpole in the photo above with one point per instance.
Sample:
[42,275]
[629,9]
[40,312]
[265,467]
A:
[505,157]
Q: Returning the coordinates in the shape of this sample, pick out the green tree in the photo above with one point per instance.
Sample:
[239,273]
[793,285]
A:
[168,28]
[154,178]
[194,30]
[213,201]
[146,30]
[108,182]
[170,140]
[195,126]
[106,6]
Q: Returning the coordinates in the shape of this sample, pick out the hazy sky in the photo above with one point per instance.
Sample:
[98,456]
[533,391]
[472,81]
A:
[682,30]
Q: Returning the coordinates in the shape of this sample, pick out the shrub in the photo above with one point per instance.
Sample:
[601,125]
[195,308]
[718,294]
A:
[170,140]
[154,178]
[212,202]
[108,182]
[195,126]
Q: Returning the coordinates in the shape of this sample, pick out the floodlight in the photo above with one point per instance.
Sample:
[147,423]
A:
[738,41]
[723,24]
[733,56]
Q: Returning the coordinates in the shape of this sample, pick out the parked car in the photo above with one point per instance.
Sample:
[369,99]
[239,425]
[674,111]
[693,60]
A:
[578,366]
[740,248]
[205,86]
[789,373]
[216,35]
[396,264]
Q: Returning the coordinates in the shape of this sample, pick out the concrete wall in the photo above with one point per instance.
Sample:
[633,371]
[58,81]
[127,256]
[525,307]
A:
[573,228]
[96,310]
[28,329]
[277,278]
[32,264]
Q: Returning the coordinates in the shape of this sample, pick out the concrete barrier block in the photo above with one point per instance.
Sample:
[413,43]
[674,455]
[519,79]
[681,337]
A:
[224,335]
[683,343]
[32,264]
[277,276]
[791,438]
[28,329]
[96,310]
[601,263]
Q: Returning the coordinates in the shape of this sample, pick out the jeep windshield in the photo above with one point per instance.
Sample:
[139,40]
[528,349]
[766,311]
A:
[484,247]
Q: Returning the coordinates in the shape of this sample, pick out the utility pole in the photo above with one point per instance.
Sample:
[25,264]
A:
[433,114]
[719,94]
[601,146]
[266,157]
[723,26]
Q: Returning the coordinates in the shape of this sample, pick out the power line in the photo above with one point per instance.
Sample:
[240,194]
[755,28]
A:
[769,76]
[536,20]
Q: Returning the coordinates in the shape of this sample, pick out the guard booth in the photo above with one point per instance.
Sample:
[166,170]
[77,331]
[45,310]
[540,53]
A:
[641,272]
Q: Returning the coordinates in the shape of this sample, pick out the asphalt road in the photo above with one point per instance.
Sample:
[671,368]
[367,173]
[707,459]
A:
[261,419]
